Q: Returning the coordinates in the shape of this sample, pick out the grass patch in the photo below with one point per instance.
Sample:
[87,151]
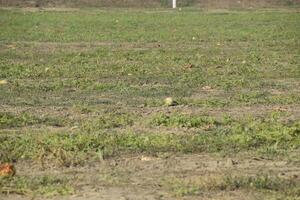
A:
[183,121]
[47,186]
[269,184]
[244,133]
[9,120]
[72,148]
[107,121]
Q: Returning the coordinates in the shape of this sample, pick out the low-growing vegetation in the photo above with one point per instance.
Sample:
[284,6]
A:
[9,120]
[270,185]
[83,105]
[32,186]
[227,135]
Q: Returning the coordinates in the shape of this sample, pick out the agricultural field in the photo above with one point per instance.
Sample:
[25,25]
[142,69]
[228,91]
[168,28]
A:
[83,112]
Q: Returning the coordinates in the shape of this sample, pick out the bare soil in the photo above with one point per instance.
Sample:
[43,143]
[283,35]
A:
[148,177]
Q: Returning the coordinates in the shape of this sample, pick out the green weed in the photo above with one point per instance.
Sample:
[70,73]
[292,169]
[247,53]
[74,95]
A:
[263,183]
[40,185]
[230,135]
[9,120]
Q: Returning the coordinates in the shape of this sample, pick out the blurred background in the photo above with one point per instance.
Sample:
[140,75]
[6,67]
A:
[218,4]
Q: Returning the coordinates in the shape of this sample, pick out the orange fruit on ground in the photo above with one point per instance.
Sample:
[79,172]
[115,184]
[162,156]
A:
[7,170]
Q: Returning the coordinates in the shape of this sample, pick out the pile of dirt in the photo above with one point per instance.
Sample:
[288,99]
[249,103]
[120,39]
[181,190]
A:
[152,3]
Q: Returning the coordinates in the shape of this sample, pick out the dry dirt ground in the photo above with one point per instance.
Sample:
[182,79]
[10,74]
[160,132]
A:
[166,176]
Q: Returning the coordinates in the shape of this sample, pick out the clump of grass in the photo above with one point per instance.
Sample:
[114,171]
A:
[256,132]
[180,120]
[9,120]
[245,133]
[106,121]
[62,147]
[263,183]
[37,185]
[231,136]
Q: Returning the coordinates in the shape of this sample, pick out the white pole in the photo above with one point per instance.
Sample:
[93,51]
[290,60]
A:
[174,3]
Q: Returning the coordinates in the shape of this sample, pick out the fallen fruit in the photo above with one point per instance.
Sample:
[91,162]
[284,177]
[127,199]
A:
[170,102]
[7,170]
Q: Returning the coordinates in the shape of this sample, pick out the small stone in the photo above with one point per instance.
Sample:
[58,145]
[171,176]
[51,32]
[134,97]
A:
[280,109]
[231,162]
[206,88]
[3,82]
[146,158]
